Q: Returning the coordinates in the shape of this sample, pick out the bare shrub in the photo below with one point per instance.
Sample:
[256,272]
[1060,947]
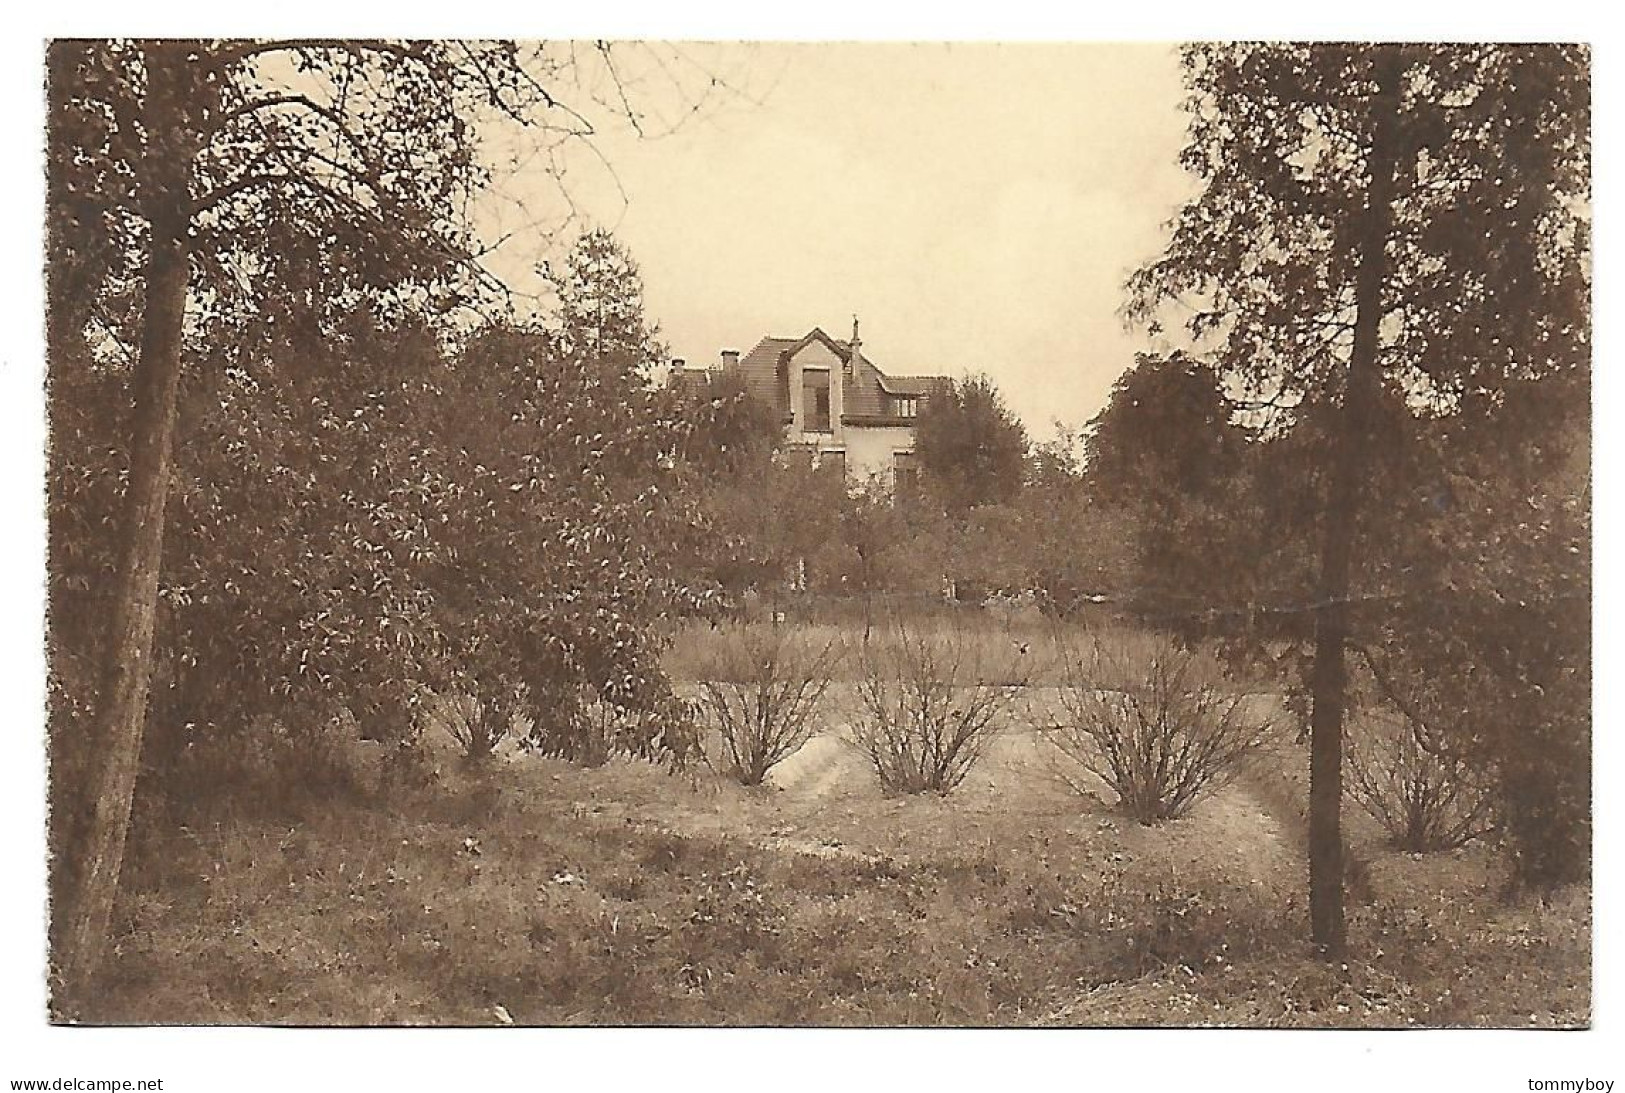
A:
[1425,797]
[760,688]
[1414,761]
[930,699]
[1152,721]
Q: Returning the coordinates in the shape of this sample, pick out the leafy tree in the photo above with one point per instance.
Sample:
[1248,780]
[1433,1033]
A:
[1076,547]
[1188,483]
[562,544]
[730,434]
[872,522]
[771,526]
[207,203]
[1503,515]
[772,517]
[1222,515]
[1383,232]
[970,445]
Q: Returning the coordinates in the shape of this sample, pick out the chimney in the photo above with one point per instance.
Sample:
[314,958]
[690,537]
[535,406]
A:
[678,364]
[730,358]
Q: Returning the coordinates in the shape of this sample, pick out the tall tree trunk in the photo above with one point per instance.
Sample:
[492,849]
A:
[1329,677]
[127,673]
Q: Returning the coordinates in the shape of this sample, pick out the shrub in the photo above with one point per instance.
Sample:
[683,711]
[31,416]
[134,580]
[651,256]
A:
[1152,722]
[1545,803]
[584,724]
[760,691]
[1527,769]
[929,702]
[1425,797]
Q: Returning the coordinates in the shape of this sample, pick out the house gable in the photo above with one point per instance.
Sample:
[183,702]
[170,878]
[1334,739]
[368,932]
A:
[776,372]
[815,354]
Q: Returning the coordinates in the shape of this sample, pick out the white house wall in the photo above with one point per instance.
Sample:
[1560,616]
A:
[870,449]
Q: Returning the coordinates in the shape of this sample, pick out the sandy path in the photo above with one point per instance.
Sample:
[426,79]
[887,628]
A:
[824,766]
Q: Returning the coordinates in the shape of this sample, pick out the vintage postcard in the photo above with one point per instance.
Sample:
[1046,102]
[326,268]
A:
[553,533]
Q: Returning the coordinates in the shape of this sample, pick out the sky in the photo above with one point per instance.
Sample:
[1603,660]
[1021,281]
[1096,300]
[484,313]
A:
[977,206]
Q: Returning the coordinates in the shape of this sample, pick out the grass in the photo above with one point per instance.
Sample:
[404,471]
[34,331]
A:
[1007,644]
[624,895]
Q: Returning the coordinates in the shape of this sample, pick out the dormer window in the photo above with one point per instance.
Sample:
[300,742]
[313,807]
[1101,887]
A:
[815,403]
[905,407]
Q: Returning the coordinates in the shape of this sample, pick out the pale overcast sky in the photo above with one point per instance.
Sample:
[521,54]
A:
[976,205]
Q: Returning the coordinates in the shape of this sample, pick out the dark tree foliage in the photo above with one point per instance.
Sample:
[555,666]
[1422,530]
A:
[970,445]
[729,434]
[226,220]
[776,528]
[1493,660]
[573,548]
[1391,246]
[1192,486]
[188,180]
[872,523]
[1468,611]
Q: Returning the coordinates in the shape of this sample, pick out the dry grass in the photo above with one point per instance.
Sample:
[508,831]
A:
[625,895]
[997,639]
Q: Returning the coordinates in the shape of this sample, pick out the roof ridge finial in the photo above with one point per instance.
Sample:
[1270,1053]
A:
[855,341]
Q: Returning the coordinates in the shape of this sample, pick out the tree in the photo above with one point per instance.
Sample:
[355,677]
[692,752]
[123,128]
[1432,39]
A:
[600,308]
[872,521]
[970,445]
[1383,232]
[558,547]
[1510,633]
[1186,483]
[209,199]
[769,524]
[729,433]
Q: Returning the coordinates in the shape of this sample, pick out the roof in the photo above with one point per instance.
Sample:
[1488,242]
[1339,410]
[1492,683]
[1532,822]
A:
[866,392]
[911,385]
[760,367]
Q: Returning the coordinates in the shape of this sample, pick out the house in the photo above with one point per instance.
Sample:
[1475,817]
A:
[836,404]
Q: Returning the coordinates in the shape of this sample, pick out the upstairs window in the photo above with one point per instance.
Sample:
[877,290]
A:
[815,402]
[905,407]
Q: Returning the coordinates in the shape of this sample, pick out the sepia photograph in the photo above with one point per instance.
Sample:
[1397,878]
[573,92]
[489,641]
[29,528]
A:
[803,534]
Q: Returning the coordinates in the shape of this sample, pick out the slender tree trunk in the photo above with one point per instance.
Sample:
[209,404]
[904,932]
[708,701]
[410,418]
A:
[127,673]
[868,597]
[1329,677]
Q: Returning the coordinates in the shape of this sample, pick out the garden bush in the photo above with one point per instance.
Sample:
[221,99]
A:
[760,692]
[1153,721]
[1425,797]
[588,725]
[930,700]
[478,720]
